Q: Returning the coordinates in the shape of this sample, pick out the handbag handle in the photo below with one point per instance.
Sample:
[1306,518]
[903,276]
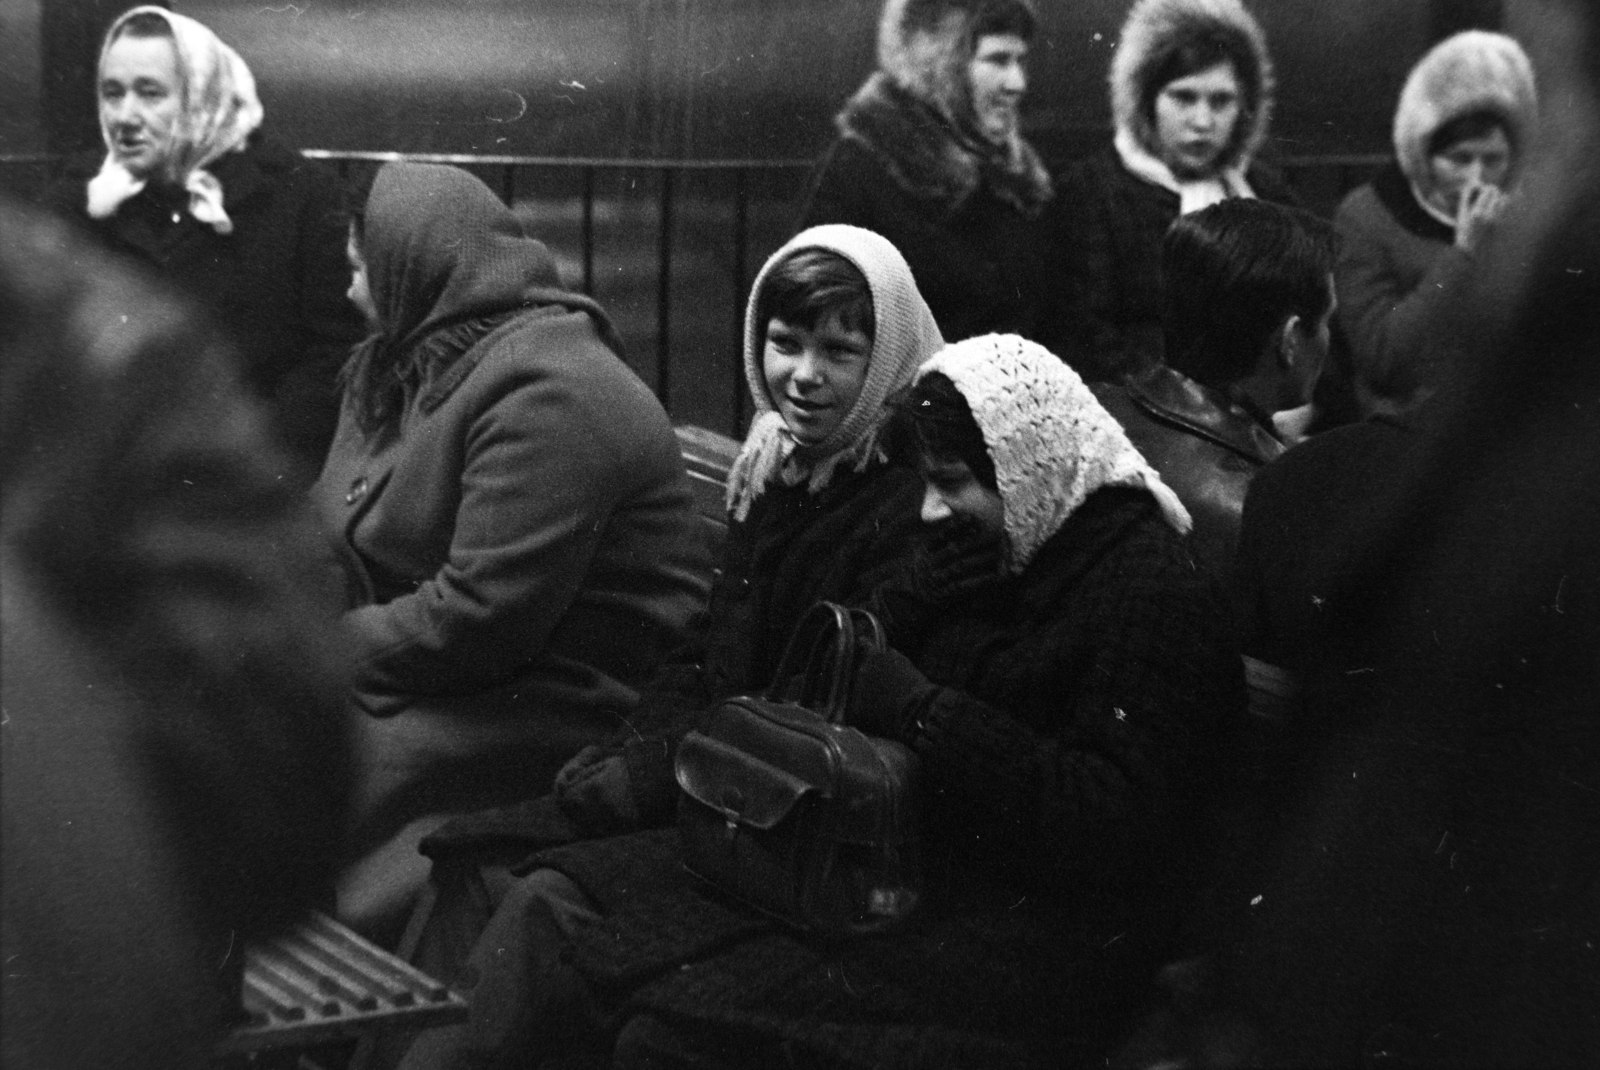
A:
[821,655]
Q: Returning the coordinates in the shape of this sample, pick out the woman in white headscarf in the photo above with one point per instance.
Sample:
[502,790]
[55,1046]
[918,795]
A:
[251,231]
[1065,710]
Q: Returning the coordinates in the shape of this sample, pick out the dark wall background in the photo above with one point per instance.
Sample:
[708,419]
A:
[667,78]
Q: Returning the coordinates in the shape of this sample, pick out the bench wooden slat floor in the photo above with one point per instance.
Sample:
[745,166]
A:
[320,982]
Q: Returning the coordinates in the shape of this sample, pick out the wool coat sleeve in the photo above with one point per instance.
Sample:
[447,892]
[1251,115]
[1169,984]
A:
[1109,733]
[1387,311]
[539,483]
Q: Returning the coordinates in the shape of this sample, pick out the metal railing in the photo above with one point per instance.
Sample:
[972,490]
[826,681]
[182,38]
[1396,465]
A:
[774,184]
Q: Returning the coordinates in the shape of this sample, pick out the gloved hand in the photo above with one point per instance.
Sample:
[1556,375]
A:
[888,695]
[956,558]
[593,790]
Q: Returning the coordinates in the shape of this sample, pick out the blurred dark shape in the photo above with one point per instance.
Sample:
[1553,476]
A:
[174,752]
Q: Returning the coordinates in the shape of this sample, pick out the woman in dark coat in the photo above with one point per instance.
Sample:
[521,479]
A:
[929,154]
[1192,89]
[1064,713]
[515,521]
[191,187]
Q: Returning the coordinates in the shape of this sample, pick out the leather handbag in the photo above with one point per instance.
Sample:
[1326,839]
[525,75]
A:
[792,812]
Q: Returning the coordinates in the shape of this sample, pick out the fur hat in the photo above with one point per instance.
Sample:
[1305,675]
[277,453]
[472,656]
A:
[924,46]
[1154,30]
[1470,72]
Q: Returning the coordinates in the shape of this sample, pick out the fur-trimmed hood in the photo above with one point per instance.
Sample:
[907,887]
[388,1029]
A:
[916,112]
[1052,443]
[1470,72]
[1153,30]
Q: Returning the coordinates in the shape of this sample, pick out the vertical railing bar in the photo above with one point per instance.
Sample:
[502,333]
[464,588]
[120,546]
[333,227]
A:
[664,294]
[588,231]
[741,219]
[508,185]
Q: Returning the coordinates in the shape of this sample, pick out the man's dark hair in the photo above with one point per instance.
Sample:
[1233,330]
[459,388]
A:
[808,285]
[933,422]
[1234,272]
[1465,128]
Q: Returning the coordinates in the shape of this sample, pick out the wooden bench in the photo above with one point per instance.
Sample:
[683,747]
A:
[319,983]
[708,456]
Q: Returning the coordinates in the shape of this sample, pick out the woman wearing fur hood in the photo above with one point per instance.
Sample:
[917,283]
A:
[928,153]
[1460,131]
[1192,91]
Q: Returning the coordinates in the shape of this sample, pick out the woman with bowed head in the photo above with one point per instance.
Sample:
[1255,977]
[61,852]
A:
[1461,131]
[1064,709]
[514,519]
[190,186]
[1192,92]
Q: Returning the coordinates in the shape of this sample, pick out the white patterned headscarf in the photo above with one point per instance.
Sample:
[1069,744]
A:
[1051,441]
[219,110]
[904,335]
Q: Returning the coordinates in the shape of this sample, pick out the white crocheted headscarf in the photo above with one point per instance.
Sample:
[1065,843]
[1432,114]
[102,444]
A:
[1051,441]
[218,112]
[904,335]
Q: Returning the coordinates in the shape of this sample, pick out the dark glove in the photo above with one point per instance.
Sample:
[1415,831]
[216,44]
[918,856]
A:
[957,558]
[888,696]
[593,790]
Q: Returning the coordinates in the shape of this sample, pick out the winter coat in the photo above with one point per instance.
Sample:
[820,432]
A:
[1114,226]
[1398,263]
[1076,705]
[175,769]
[1206,447]
[276,284]
[974,220]
[1114,219]
[520,547]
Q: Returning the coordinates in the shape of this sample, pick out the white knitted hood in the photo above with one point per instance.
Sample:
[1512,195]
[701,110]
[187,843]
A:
[1152,31]
[1051,441]
[904,335]
[1469,72]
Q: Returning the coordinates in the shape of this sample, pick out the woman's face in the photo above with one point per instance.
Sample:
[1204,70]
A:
[952,491]
[360,292]
[1195,116]
[814,376]
[1484,160]
[140,100]
[998,77]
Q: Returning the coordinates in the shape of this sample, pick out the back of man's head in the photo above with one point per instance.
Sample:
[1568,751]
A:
[1235,272]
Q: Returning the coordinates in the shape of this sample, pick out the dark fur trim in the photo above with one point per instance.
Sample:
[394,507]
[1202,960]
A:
[927,159]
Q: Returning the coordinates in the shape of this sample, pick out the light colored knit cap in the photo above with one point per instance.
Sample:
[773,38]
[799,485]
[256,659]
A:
[1051,441]
[904,335]
[219,112]
[1471,71]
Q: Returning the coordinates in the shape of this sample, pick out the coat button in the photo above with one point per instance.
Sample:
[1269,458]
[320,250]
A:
[358,490]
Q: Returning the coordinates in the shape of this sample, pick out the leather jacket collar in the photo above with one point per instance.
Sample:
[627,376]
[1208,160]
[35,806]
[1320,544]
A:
[1172,398]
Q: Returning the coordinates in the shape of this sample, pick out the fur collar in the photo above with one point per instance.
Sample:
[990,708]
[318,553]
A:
[928,159]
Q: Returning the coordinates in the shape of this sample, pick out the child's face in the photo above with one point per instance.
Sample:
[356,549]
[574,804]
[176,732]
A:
[814,376]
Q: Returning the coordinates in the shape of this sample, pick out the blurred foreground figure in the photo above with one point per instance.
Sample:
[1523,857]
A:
[173,752]
[1435,896]
[190,187]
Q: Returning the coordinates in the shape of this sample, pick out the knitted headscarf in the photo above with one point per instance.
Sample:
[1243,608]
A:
[1051,442]
[904,335]
[218,111]
[1473,71]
